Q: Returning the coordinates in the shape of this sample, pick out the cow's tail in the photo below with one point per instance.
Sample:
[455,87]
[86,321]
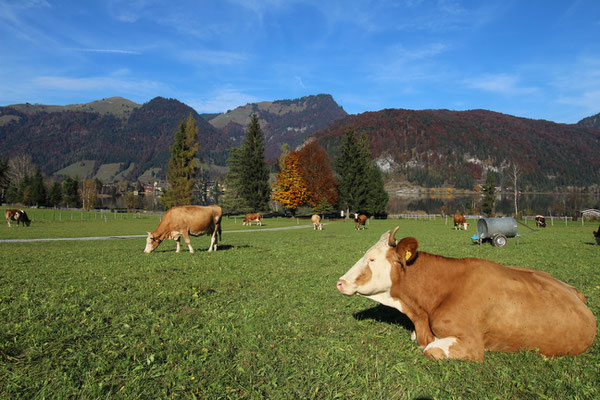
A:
[218,224]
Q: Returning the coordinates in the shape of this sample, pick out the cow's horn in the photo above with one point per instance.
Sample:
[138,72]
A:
[392,240]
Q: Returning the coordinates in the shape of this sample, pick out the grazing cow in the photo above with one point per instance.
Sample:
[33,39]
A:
[18,216]
[359,220]
[252,217]
[540,221]
[463,306]
[185,221]
[460,222]
[597,236]
[316,220]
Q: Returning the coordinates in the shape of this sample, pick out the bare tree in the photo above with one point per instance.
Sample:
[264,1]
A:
[19,167]
[514,173]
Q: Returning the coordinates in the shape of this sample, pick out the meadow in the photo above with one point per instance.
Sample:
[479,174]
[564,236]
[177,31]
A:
[259,318]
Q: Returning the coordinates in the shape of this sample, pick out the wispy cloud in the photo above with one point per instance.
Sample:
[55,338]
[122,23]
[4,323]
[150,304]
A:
[111,51]
[221,100]
[115,83]
[499,83]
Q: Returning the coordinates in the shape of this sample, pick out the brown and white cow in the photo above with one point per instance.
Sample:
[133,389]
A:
[252,217]
[316,220]
[359,220]
[461,307]
[540,221]
[460,222]
[185,221]
[597,236]
[18,216]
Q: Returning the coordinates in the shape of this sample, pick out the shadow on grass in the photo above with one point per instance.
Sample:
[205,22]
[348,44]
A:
[221,247]
[386,314]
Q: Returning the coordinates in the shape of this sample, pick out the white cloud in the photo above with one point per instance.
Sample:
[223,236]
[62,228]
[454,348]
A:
[499,83]
[111,51]
[220,101]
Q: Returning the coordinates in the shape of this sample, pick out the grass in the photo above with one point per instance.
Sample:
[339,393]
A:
[259,318]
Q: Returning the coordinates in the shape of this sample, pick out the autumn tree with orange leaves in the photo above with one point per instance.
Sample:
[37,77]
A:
[318,175]
[290,189]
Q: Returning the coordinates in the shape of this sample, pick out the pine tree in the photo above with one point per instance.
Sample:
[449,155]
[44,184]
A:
[4,178]
[361,184]
[232,202]
[182,165]
[55,194]
[488,205]
[254,176]
[70,192]
[38,192]
[290,189]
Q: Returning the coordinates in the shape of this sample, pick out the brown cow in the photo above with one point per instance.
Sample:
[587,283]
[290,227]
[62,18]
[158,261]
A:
[185,221]
[460,222]
[597,236]
[252,217]
[540,221]
[18,216]
[359,220]
[316,220]
[463,306]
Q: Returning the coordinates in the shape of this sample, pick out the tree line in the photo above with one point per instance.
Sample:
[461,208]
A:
[306,177]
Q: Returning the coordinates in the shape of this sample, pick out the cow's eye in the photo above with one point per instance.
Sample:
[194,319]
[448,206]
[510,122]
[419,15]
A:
[371,259]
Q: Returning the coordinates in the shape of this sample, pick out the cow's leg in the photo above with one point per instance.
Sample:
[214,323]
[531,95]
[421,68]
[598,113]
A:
[464,348]
[186,237]
[8,222]
[177,242]
[213,242]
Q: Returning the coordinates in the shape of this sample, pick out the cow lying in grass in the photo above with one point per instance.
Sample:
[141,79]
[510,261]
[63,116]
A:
[185,221]
[461,307]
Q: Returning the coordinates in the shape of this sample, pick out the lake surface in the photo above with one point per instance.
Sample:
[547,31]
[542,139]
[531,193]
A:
[557,204]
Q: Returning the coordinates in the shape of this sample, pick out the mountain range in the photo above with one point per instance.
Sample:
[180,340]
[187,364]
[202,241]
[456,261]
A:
[115,138]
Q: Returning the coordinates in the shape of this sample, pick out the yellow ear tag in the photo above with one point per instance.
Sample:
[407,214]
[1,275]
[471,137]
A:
[407,256]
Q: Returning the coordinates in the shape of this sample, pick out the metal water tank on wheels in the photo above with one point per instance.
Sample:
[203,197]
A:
[497,230]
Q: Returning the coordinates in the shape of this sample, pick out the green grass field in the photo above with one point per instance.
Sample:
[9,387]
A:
[259,318]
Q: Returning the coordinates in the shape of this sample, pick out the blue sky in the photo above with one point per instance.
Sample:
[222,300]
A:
[535,59]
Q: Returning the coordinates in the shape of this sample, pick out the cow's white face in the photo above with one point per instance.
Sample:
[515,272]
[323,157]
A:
[371,274]
[151,243]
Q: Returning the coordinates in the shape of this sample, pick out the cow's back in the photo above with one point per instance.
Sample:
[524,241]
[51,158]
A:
[195,219]
[516,308]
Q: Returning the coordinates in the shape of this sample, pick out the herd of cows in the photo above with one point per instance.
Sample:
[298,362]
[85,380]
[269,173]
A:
[460,307]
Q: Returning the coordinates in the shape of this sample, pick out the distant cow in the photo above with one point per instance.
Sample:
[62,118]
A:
[460,222]
[461,307]
[252,217]
[359,220]
[18,216]
[316,220]
[597,236]
[185,221]
[540,221]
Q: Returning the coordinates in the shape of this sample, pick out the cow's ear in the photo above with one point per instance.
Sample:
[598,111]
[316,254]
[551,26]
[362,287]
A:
[407,249]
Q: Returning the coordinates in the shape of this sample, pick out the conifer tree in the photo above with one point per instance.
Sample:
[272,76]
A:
[55,194]
[182,165]
[488,205]
[361,184]
[254,176]
[232,202]
[38,191]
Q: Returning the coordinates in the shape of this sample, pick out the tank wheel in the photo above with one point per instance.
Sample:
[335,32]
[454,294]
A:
[499,240]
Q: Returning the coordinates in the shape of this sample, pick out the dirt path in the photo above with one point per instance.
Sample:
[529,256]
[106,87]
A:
[143,236]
